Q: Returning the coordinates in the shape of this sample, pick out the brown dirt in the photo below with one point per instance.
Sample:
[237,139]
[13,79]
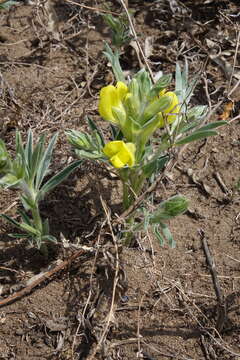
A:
[165,305]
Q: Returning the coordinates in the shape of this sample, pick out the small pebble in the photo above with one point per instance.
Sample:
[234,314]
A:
[124,299]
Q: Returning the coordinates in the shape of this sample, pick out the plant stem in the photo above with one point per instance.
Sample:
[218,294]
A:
[44,250]
[38,225]
[128,236]
[132,185]
[37,218]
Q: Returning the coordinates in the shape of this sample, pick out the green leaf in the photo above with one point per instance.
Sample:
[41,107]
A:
[114,60]
[144,81]
[168,236]
[30,229]
[5,159]
[19,236]
[185,76]
[78,139]
[49,238]
[29,149]
[164,234]
[155,107]
[24,216]
[158,234]
[178,78]
[19,145]
[116,133]
[9,180]
[11,220]
[196,113]
[155,165]
[99,140]
[213,125]
[93,126]
[161,84]
[183,88]
[27,202]
[45,162]
[188,127]
[196,136]
[57,179]
[46,227]
[37,156]
[91,155]
[7,4]
[20,164]
[120,31]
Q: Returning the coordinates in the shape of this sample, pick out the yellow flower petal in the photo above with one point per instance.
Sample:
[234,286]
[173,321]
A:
[173,104]
[122,90]
[108,98]
[112,148]
[120,153]
[131,148]
[162,92]
[112,96]
[173,108]
[117,162]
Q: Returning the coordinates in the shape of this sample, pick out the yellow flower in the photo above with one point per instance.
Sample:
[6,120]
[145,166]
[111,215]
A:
[112,97]
[120,153]
[171,112]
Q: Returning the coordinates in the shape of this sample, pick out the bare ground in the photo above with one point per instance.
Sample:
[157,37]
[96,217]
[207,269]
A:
[165,304]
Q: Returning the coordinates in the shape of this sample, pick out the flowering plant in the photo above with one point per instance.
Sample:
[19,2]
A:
[148,123]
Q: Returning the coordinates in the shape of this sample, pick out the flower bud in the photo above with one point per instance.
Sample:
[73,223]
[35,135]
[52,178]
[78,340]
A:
[78,139]
[170,208]
[9,180]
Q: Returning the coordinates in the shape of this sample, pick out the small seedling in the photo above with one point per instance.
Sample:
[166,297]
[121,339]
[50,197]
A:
[27,172]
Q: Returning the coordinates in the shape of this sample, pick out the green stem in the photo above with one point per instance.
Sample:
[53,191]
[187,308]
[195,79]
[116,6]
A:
[125,196]
[44,250]
[132,185]
[129,235]
[38,225]
[37,218]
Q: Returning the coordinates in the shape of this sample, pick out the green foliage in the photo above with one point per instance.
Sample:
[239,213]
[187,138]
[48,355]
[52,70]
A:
[113,58]
[138,109]
[120,31]
[27,172]
[167,210]
[86,146]
[7,4]
[174,206]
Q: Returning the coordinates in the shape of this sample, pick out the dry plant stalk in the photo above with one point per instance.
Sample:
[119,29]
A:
[45,276]
[221,303]
[53,20]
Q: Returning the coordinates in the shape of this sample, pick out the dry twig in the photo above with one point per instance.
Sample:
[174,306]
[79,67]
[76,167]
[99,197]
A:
[136,39]
[91,8]
[221,304]
[46,276]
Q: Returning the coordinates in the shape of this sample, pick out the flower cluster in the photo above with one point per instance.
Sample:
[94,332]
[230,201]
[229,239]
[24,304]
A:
[137,115]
